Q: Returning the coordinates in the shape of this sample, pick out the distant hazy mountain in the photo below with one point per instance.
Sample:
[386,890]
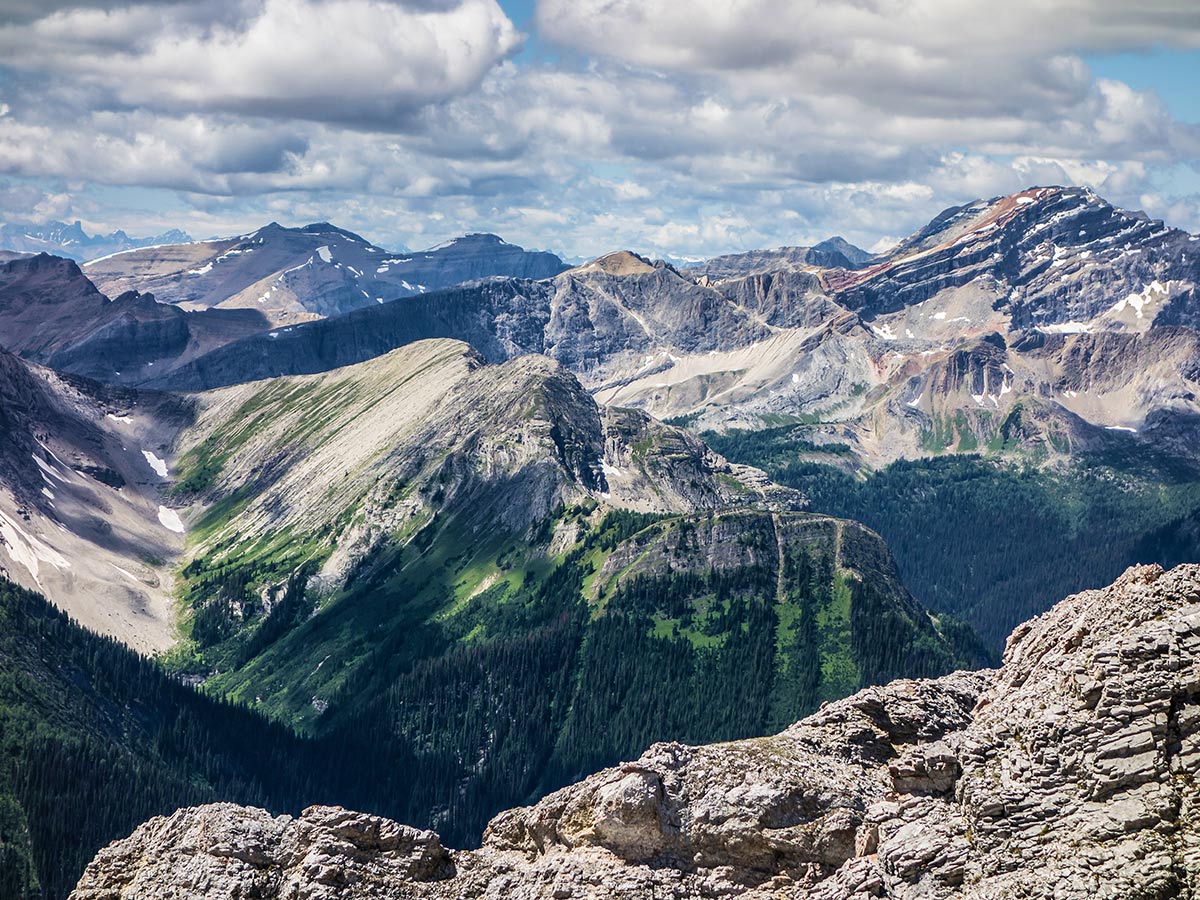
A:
[857,255]
[297,274]
[834,253]
[71,241]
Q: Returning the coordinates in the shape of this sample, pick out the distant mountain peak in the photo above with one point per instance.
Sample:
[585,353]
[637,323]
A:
[71,241]
[327,228]
[474,240]
[1065,217]
[619,262]
[839,244]
[483,237]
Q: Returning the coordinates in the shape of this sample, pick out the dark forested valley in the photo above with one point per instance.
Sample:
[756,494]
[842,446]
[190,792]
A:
[994,541]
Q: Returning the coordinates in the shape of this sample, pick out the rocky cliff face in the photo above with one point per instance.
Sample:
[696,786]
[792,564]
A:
[1068,773]
[1061,253]
[621,313]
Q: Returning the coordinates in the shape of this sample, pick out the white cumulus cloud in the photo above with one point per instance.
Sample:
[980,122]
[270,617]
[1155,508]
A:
[370,62]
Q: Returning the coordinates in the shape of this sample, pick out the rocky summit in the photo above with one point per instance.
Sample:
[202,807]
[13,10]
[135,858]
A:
[1067,773]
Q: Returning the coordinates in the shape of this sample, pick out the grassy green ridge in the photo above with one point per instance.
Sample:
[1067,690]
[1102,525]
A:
[996,541]
[461,678]
[630,637]
[511,669]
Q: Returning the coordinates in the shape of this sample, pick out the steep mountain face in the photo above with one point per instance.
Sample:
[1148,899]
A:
[43,300]
[509,444]
[296,274]
[1061,256]
[50,312]
[79,511]
[622,312]
[1067,773]
[975,333]
[72,242]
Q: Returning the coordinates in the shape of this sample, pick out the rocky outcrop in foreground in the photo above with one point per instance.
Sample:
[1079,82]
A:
[1068,773]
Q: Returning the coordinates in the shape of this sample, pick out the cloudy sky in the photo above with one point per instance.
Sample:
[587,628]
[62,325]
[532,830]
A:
[684,127]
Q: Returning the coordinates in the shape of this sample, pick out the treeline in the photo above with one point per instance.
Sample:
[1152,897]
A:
[995,542]
[94,739]
[561,688]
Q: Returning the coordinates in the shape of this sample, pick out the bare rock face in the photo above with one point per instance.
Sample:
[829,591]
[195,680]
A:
[1068,773]
[226,852]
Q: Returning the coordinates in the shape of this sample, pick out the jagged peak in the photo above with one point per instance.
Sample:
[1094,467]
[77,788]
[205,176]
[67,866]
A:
[1025,212]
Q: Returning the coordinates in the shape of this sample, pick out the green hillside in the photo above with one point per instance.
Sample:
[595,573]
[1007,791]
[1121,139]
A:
[94,739]
[517,669]
[990,541]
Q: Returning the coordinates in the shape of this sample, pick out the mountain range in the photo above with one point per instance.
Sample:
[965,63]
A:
[72,242]
[297,274]
[978,332]
[1046,329]
[483,523]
